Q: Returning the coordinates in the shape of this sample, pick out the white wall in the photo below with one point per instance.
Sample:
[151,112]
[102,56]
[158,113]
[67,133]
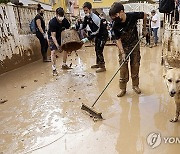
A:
[18,46]
[26,2]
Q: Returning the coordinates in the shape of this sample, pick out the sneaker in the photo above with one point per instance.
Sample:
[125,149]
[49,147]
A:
[66,67]
[155,45]
[122,93]
[137,89]
[101,70]
[95,66]
[55,73]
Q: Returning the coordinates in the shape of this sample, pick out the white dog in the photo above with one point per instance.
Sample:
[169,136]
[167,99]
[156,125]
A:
[172,79]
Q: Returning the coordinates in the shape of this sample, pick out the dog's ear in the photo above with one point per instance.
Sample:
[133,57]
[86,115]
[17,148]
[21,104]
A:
[164,72]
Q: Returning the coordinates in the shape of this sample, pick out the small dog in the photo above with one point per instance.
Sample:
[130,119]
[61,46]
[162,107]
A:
[172,80]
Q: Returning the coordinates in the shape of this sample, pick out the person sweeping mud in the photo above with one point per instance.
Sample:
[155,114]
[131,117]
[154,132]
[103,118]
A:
[125,29]
[56,26]
[99,32]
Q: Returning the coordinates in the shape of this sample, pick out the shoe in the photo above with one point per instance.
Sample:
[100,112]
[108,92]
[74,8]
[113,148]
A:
[66,67]
[95,66]
[146,45]
[103,69]
[137,89]
[155,45]
[122,93]
[46,60]
[55,73]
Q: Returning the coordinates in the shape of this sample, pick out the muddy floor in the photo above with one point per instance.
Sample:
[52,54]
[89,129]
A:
[42,113]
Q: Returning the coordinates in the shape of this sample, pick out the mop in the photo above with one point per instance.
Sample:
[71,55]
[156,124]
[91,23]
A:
[90,110]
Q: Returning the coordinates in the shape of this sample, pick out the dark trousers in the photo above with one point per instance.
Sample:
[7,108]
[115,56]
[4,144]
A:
[99,47]
[44,45]
[148,38]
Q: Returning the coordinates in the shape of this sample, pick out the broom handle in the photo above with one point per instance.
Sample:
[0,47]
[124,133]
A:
[117,71]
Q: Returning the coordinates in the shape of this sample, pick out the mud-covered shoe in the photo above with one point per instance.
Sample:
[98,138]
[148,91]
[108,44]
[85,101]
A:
[101,70]
[55,73]
[121,93]
[66,67]
[95,66]
[136,89]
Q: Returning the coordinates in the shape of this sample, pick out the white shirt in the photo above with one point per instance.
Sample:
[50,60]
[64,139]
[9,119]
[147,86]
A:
[157,24]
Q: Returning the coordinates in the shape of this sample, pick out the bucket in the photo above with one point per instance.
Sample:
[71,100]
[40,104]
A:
[70,40]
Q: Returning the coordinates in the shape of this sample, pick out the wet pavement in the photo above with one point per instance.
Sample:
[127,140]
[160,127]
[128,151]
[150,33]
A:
[42,114]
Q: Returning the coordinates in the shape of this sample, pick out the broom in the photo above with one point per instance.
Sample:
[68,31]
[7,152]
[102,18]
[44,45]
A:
[90,110]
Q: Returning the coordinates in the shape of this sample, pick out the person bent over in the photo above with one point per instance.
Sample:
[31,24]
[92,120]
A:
[56,26]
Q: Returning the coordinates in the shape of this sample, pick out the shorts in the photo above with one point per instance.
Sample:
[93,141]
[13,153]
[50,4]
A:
[52,46]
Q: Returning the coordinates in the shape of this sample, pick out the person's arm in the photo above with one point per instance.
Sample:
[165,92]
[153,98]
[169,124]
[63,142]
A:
[144,21]
[38,23]
[83,25]
[97,22]
[53,36]
[121,50]
[154,19]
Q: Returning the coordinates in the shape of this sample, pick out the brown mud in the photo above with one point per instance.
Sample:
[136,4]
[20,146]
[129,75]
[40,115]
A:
[45,116]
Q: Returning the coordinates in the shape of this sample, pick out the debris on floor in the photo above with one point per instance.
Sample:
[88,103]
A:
[3,101]
[22,87]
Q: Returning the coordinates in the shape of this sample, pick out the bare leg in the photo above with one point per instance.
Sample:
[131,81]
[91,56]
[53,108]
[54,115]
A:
[64,66]
[64,57]
[53,60]
[53,57]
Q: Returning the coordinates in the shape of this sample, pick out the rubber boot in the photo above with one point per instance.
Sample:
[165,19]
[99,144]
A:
[95,66]
[121,93]
[137,89]
[101,68]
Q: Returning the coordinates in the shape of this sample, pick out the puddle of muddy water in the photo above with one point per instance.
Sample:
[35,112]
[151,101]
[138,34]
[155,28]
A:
[49,109]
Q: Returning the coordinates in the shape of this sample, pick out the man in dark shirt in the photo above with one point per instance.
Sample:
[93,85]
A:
[40,32]
[99,32]
[125,29]
[56,26]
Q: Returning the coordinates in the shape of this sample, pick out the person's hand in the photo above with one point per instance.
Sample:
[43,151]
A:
[84,40]
[45,36]
[123,57]
[63,28]
[59,48]
[73,26]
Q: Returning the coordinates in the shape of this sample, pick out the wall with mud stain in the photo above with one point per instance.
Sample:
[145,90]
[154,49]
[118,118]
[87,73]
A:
[18,46]
[170,43]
